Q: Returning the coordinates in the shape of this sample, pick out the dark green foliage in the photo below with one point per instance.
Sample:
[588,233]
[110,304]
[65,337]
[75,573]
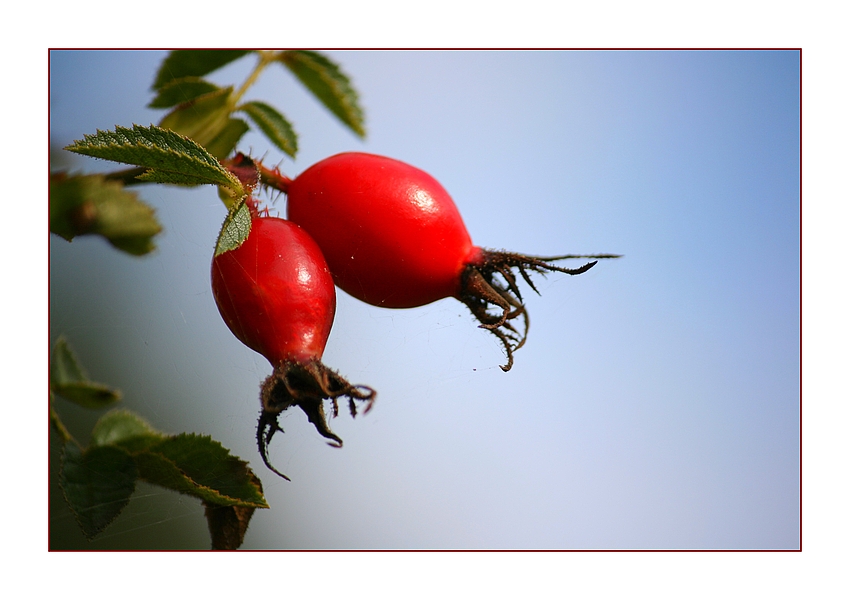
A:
[329,84]
[180,91]
[97,483]
[193,63]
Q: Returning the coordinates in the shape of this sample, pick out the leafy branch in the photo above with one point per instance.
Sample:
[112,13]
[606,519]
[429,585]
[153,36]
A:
[168,157]
[188,147]
[201,128]
[99,480]
[205,112]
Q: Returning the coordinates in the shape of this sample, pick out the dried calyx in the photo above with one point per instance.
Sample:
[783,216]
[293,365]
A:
[481,289]
[306,385]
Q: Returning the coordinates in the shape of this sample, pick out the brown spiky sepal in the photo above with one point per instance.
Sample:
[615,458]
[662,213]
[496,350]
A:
[481,289]
[306,385]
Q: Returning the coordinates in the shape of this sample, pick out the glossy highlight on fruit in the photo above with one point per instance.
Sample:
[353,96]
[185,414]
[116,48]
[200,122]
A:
[276,294]
[393,237]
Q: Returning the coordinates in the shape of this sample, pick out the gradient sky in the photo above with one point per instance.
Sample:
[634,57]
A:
[656,402]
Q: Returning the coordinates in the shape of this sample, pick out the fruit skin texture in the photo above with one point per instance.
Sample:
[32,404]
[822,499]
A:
[390,232]
[277,296]
[275,292]
[393,237]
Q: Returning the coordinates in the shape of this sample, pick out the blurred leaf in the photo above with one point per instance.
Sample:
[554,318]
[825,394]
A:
[69,380]
[274,125]
[125,429]
[88,395]
[90,204]
[187,63]
[201,119]
[235,230]
[179,91]
[329,84]
[227,138]
[97,484]
[167,154]
[201,467]
[64,367]
[228,524]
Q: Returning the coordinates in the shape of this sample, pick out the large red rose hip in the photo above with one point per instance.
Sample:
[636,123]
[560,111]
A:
[393,237]
[277,296]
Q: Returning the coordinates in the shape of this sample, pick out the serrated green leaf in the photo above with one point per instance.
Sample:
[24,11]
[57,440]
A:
[161,151]
[201,467]
[235,230]
[228,137]
[201,119]
[69,380]
[189,63]
[97,484]
[154,176]
[180,91]
[125,429]
[328,83]
[274,125]
[90,204]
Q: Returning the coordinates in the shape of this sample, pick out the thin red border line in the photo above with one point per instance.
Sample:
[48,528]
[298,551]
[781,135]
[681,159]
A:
[449,48]
[801,300]
[800,549]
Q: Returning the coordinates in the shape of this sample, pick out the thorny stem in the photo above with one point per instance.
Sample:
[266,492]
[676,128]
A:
[480,290]
[273,178]
[306,385]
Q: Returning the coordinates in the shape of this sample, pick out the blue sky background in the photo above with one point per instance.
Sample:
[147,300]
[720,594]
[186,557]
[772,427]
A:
[656,402]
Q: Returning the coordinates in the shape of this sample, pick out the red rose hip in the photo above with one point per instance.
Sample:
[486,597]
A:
[393,237]
[277,296]
[275,292]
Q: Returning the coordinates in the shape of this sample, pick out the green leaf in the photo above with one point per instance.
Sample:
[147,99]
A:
[89,395]
[329,84]
[64,367]
[90,204]
[201,119]
[274,125]
[199,466]
[235,230]
[97,484]
[228,137]
[69,380]
[167,155]
[125,429]
[179,91]
[193,63]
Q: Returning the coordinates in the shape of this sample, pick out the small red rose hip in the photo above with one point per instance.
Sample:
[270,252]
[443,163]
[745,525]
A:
[393,237]
[277,296]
